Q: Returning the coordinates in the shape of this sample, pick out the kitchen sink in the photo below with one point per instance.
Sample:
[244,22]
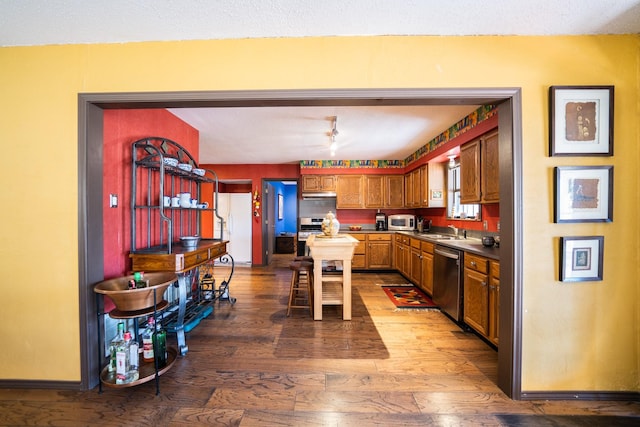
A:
[439,237]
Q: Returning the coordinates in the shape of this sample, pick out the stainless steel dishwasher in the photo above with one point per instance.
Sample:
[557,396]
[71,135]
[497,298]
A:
[447,281]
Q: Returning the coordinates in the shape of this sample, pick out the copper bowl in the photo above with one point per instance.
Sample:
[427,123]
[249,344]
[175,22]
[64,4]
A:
[127,299]
[355,227]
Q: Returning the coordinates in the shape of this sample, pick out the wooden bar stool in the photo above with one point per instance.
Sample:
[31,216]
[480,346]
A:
[301,281]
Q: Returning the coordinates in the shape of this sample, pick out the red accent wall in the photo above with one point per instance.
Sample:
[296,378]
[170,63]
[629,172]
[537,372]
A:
[121,129]
[255,174]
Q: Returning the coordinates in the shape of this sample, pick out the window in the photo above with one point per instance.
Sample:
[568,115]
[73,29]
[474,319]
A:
[456,210]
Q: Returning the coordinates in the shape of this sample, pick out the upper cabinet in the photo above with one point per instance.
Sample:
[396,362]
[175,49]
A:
[318,183]
[349,192]
[425,187]
[383,191]
[479,172]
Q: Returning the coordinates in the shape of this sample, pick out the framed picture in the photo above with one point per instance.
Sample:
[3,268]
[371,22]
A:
[581,258]
[581,120]
[280,206]
[583,194]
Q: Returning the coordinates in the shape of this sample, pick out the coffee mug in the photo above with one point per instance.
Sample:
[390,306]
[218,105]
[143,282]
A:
[204,205]
[175,202]
[194,203]
[166,201]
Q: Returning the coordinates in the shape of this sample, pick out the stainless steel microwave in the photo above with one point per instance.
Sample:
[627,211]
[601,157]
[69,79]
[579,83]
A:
[401,222]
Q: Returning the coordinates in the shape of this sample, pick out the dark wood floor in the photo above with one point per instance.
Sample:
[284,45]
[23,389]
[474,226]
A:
[250,365]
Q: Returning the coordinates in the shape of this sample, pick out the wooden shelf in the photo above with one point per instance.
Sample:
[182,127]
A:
[147,371]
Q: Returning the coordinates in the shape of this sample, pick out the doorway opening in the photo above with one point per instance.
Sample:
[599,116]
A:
[280,215]
[90,233]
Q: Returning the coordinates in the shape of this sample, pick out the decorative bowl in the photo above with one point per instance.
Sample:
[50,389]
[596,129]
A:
[355,227]
[198,171]
[185,167]
[190,241]
[127,299]
[170,161]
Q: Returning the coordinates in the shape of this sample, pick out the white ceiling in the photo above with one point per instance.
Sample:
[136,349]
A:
[287,134]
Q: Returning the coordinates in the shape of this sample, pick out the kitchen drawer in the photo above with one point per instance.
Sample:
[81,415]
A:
[195,258]
[426,247]
[358,260]
[476,263]
[218,250]
[415,243]
[399,238]
[495,269]
[379,237]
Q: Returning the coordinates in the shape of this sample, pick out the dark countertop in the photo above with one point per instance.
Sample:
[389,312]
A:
[471,245]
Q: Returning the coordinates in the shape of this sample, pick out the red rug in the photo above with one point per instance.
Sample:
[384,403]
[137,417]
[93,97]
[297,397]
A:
[408,297]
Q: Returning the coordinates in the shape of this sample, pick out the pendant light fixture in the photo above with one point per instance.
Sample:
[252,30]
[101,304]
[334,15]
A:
[332,134]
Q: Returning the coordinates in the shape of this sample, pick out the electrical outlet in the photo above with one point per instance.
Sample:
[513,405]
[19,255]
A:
[498,225]
[485,225]
[113,200]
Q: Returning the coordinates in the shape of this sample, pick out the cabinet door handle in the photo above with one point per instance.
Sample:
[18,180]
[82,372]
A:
[483,284]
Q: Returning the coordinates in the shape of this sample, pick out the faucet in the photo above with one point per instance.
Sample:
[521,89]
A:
[455,229]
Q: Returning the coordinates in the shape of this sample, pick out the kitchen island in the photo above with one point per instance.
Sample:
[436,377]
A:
[332,289]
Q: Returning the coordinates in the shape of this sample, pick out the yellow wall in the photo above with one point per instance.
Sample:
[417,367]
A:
[576,336]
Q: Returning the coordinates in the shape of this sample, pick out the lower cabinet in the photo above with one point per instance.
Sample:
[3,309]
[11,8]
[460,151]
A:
[402,261]
[494,301]
[481,295]
[359,254]
[426,251]
[374,251]
[379,251]
[415,268]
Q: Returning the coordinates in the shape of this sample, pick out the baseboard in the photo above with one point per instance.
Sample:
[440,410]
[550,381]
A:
[29,384]
[582,395]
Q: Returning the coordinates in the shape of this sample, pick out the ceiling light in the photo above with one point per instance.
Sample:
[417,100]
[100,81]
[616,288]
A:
[332,134]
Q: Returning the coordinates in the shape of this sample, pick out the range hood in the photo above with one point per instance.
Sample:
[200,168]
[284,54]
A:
[319,195]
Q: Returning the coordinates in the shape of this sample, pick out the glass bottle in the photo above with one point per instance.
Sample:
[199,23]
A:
[122,359]
[147,340]
[160,345]
[115,341]
[134,360]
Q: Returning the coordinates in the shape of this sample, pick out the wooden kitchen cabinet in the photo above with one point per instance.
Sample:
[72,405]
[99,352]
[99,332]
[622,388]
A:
[479,170]
[470,172]
[374,251]
[490,175]
[413,188]
[374,194]
[476,293]
[359,260]
[415,265]
[318,183]
[379,251]
[426,250]
[408,191]
[349,192]
[394,191]
[383,191]
[494,301]
[402,254]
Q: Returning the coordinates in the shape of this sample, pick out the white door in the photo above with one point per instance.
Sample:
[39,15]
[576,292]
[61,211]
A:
[235,209]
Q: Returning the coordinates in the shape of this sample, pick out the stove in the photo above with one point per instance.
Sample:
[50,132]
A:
[308,226]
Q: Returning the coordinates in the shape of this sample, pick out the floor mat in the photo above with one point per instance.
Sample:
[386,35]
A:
[407,296]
